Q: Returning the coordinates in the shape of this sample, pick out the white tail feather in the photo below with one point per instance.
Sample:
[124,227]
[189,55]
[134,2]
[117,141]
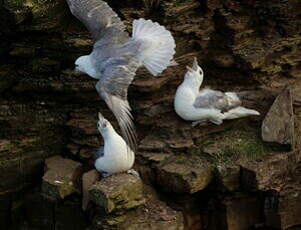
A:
[159,45]
[240,112]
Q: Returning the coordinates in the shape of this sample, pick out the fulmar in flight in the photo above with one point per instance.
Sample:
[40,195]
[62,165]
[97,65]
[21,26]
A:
[193,104]
[116,56]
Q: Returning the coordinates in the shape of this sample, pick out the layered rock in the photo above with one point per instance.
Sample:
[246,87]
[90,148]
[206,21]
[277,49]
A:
[184,175]
[282,209]
[278,125]
[118,193]
[152,215]
[62,178]
[46,109]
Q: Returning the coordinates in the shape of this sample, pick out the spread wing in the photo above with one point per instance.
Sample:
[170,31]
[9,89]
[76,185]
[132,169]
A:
[113,88]
[99,18]
[208,98]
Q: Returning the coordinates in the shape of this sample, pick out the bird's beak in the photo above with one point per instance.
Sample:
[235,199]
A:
[195,66]
[189,69]
[101,117]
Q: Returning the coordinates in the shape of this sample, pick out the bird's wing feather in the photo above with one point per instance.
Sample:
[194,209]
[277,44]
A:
[98,17]
[208,98]
[99,153]
[113,88]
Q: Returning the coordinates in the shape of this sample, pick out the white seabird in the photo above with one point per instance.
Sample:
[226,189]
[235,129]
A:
[116,56]
[193,104]
[114,156]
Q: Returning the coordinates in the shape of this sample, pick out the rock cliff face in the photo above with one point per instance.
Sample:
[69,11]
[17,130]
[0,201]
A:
[207,177]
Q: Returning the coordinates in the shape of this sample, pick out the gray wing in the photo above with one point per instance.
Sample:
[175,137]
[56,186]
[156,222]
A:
[99,19]
[99,153]
[113,88]
[208,98]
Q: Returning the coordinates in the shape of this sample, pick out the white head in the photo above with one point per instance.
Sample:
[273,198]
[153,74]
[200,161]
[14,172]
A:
[195,74]
[104,126]
[83,64]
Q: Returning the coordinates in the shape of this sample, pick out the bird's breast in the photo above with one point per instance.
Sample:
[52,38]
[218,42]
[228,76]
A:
[183,102]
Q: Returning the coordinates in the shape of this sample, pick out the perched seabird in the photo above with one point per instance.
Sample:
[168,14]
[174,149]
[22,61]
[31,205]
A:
[193,104]
[114,156]
[116,56]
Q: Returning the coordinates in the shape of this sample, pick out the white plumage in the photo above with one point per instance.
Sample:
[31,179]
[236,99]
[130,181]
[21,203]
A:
[116,56]
[158,43]
[193,104]
[116,156]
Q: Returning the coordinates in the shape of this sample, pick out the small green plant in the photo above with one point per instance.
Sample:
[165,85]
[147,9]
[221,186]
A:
[233,145]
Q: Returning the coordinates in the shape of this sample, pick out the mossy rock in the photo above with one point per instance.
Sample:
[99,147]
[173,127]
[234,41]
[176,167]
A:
[118,193]
[184,173]
[232,145]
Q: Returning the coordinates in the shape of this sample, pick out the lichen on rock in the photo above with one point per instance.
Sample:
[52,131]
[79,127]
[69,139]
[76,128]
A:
[61,178]
[118,193]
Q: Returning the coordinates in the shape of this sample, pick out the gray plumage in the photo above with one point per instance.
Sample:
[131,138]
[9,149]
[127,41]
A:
[99,153]
[99,19]
[209,98]
[116,56]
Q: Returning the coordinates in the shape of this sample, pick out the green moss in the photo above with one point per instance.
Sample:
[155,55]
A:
[232,145]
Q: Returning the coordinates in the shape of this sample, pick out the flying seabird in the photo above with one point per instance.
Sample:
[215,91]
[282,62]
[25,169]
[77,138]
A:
[114,156]
[193,104]
[116,56]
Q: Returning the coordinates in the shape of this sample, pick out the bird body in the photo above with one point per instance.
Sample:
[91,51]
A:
[116,156]
[116,56]
[197,105]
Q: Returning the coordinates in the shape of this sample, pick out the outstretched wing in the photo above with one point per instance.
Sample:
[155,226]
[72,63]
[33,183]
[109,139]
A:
[208,98]
[98,17]
[113,88]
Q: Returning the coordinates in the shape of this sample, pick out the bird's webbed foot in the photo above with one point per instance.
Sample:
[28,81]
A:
[104,174]
[216,121]
[195,123]
[133,172]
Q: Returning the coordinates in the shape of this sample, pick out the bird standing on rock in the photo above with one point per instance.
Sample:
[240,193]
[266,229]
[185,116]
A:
[115,156]
[116,56]
[193,104]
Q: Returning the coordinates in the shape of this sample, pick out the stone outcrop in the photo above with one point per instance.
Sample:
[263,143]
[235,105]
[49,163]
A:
[278,125]
[88,180]
[282,209]
[237,213]
[152,215]
[118,193]
[62,178]
[184,175]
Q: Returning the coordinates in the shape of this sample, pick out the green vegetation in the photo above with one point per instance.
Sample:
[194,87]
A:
[232,145]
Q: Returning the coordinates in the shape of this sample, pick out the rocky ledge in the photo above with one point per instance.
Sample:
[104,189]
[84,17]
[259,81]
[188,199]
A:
[243,174]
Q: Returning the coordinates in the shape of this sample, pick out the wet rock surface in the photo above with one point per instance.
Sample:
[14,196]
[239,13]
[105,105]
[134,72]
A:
[46,110]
